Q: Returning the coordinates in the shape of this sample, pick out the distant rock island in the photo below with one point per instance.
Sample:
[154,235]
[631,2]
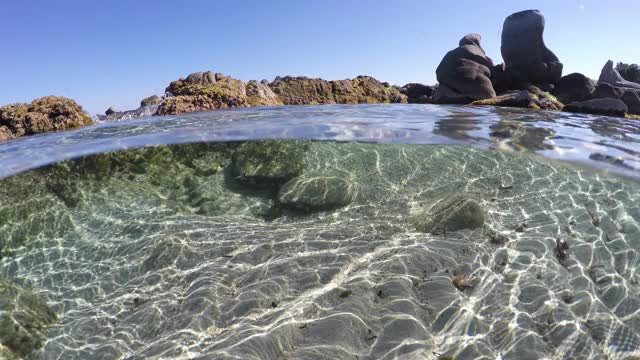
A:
[530,77]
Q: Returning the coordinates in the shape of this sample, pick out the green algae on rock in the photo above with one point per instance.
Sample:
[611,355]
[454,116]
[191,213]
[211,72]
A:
[318,190]
[533,98]
[452,213]
[268,163]
[49,113]
[24,320]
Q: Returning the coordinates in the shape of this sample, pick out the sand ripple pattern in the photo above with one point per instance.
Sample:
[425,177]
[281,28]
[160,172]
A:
[134,277]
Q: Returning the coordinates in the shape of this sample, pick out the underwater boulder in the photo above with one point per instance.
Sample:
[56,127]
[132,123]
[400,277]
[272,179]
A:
[452,213]
[24,320]
[268,163]
[317,191]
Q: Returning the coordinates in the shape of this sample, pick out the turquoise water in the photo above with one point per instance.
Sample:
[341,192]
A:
[411,232]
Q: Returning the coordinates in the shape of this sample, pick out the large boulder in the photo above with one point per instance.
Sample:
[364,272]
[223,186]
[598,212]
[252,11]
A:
[49,113]
[452,213]
[318,190]
[24,320]
[630,96]
[611,76]
[302,90]
[527,59]
[260,94]
[609,107]
[268,163]
[417,93]
[151,101]
[574,87]
[533,98]
[464,74]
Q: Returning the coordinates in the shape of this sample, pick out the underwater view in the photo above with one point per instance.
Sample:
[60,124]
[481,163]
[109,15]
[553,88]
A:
[338,232]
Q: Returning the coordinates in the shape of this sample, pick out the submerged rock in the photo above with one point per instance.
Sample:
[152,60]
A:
[49,113]
[533,98]
[574,87]
[452,213]
[609,107]
[24,320]
[464,74]
[611,76]
[318,190]
[268,163]
[527,59]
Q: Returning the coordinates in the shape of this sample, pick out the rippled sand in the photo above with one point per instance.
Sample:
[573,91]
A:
[139,269]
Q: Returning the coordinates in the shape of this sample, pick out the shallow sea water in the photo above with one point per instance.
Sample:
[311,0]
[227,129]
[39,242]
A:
[162,253]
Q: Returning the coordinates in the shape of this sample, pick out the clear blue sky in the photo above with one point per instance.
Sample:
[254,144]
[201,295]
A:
[115,52]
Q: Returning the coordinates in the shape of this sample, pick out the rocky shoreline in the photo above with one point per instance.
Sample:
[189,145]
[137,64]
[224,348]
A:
[530,77]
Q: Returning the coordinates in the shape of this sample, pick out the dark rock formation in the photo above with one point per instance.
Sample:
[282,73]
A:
[610,107]
[318,190]
[464,74]
[452,213]
[574,87]
[151,100]
[533,98]
[49,113]
[417,93]
[24,319]
[607,91]
[630,96]
[360,90]
[140,112]
[268,163]
[527,59]
[611,76]
[110,110]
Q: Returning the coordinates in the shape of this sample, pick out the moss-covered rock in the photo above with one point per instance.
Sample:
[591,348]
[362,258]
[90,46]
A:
[318,190]
[533,98]
[49,113]
[452,213]
[24,319]
[268,163]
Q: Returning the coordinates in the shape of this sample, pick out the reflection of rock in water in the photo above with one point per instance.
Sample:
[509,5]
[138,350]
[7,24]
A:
[521,136]
[165,256]
[458,129]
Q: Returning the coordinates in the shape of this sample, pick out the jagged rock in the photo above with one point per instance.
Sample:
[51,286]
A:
[150,101]
[574,87]
[533,98]
[49,113]
[452,213]
[527,59]
[464,74]
[610,107]
[318,190]
[417,93]
[24,320]
[268,163]
[611,76]
[110,110]
[360,90]
[260,94]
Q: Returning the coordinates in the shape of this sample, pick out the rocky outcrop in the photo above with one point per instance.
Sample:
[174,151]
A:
[527,59]
[609,107]
[630,96]
[533,98]
[611,76]
[151,101]
[464,74]
[574,87]
[24,320]
[110,110]
[260,94]
[317,191]
[452,213]
[360,90]
[49,113]
[143,111]
[417,93]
